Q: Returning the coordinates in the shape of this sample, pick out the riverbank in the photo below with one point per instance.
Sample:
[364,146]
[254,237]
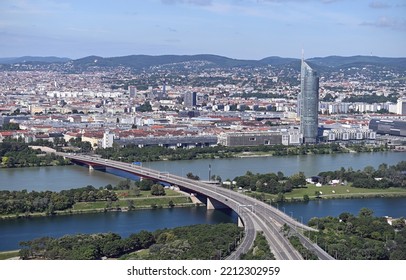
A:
[330,192]
[10,255]
[129,203]
[94,210]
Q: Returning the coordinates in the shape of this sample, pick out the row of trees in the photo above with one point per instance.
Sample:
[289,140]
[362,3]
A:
[131,153]
[57,143]
[84,246]
[10,126]
[16,154]
[277,183]
[20,202]
[260,250]
[192,242]
[137,186]
[273,183]
[349,237]
[383,177]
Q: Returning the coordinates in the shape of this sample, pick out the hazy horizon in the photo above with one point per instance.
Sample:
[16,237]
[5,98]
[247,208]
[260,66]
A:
[76,58]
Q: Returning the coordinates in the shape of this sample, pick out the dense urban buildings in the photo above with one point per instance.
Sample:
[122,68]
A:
[201,103]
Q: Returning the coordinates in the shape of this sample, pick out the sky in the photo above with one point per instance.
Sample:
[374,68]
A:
[241,29]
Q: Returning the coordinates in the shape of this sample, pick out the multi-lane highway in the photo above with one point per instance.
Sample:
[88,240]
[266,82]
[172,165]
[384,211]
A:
[255,215]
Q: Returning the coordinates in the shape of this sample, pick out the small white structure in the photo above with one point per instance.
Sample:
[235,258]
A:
[108,139]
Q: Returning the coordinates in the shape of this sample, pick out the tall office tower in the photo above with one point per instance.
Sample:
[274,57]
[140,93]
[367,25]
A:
[132,90]
[190,99]
[164,90]
[308,103]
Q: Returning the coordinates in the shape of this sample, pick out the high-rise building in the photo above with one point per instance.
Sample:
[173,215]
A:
[132,90]
[190,99]
[308,103]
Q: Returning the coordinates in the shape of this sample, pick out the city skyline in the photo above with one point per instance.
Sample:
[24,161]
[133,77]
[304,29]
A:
[242,29]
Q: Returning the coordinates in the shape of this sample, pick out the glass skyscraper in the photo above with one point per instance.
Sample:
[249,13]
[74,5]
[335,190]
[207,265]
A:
[308,103]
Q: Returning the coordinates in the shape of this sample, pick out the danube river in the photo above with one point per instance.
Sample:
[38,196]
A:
[123,223]
[64,177]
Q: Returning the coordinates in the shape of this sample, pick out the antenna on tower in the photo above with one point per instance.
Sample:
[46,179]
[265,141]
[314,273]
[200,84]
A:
[302,54]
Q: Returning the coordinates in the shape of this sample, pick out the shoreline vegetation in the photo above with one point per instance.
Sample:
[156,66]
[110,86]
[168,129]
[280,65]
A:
[179,243]
[126,196]
[133,153]
[14,154]
[273,188]
[385,181]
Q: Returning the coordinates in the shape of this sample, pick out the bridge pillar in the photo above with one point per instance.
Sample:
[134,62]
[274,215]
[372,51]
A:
[195,199]
[240,223]
[96,167]
[214,204]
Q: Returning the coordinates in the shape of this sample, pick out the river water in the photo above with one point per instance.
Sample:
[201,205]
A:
[64,177]
[309,164]
[123,223]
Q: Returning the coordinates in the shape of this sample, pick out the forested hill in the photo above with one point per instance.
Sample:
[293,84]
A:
[139,62]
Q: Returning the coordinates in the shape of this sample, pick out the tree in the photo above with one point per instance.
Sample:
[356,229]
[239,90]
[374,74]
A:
[298,180]
[365,212]
[135,191]
[124,184]
[306,198]
[146,184]
[190,175]
[112,248]
[399,224]
[145,238]
[131,204]
[157,190]
[345,216]
[280,197]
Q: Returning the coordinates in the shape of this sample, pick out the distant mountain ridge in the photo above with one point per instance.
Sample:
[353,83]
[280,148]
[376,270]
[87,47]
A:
[31,59]
[139,62]
[339,61]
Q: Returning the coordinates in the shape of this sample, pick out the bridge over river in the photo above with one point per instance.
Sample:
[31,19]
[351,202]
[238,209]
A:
[254,215]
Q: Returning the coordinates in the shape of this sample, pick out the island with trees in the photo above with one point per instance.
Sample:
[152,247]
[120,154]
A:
[126,195]
[202,242]
[360,237]
[344,183]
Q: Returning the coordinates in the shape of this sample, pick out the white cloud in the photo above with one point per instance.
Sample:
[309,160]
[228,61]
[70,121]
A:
[378,5]
[193,2]
[387,22]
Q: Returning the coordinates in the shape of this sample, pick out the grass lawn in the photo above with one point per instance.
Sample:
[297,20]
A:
[337,192]
[138,202]
[340,191]
[141,254]
[127,193]
[8,255]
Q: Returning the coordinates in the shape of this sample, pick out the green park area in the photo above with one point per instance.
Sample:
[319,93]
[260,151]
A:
[339,191]
[9,255]
[131,202]
[17,204]
[333,192]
